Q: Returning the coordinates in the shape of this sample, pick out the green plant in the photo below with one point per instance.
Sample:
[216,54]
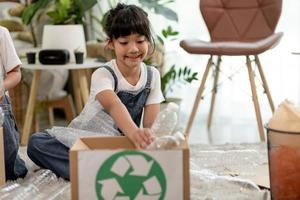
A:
[175,76]
[59,11]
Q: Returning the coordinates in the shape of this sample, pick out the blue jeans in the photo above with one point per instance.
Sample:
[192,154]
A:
[47,152]
[14,165]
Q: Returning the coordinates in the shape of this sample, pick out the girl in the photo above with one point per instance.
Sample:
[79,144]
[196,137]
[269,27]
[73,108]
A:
[120,91]
[10,74]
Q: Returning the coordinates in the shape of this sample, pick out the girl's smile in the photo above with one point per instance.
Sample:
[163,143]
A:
[130,50]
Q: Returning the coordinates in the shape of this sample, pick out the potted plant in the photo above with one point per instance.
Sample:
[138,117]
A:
[175,77]
[57,12]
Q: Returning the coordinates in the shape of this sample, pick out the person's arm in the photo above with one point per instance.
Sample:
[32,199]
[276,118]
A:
[141,137]
[150,113]
[13,77]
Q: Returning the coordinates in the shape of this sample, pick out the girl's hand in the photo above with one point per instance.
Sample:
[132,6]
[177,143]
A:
[141,137]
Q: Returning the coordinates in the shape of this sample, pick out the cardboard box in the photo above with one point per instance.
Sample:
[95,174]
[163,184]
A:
[110,168]
[2,161]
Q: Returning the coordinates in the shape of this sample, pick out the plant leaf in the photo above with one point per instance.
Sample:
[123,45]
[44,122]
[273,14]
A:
[166,12]
[31,10]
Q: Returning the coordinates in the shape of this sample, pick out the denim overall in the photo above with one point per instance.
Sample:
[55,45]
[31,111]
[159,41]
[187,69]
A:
[48,152]
[134,100]
[14,165]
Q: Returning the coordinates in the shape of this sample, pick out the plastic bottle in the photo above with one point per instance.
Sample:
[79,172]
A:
[168,141]
[166,121]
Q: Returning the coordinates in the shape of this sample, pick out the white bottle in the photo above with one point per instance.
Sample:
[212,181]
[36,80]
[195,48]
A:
[166,121]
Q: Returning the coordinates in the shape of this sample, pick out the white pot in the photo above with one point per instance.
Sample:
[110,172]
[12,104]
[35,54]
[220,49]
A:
[68,37]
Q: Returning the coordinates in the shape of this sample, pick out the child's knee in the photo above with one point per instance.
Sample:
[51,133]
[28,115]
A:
[35,145]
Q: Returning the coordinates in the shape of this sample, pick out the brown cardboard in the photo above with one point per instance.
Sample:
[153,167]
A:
[118,144]
[2,162]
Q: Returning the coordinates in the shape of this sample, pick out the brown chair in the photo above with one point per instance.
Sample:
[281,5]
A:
[236,28]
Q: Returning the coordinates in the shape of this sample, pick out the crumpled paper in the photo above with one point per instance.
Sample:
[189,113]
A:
[286,117]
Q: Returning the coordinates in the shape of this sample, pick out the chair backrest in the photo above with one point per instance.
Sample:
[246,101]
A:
[240,20]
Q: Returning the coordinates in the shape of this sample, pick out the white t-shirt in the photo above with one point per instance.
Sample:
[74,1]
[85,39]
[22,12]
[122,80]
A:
[8,55]
[102,80]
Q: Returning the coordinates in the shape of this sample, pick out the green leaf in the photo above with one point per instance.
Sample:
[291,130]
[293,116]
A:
[85,5]
[166,12]
[160,39]
[179,73]
[32,9]
[175,76]
[149,4]
[185,70]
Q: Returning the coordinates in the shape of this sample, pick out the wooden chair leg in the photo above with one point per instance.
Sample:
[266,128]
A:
[50,116]
[265,84]
[255,100]
[69,109]
[36,127]
[198,97]
[214,92]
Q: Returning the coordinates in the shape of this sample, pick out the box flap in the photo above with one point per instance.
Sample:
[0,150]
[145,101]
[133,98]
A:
[79,145]
[102,142]
[108,142]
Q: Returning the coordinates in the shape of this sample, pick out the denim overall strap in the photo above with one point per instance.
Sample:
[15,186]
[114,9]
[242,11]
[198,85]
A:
[113,74]
[134,100]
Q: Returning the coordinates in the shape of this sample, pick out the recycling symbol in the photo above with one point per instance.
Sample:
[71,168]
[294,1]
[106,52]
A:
[130,175]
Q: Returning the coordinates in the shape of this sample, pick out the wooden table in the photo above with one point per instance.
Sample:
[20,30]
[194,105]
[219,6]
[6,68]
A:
[80,87]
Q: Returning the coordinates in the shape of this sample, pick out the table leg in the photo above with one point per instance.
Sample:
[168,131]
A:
[84,88]
[76,89]
[30,107]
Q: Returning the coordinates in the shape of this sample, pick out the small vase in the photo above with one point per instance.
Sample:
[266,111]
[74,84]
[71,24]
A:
[79,57]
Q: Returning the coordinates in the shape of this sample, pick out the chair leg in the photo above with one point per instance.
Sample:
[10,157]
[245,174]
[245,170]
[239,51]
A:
[255,100]
[70,109]
[50,116]
[36,127]
[214,92]
[198,97]
[265,85]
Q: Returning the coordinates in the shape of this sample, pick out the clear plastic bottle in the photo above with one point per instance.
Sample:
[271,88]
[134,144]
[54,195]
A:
[166,121]
[168,141]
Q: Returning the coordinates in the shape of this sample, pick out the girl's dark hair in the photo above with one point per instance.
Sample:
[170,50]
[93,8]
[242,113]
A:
[124,20]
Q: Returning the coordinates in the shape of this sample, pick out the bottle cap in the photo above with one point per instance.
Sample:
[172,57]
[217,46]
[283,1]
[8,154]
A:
[173,106]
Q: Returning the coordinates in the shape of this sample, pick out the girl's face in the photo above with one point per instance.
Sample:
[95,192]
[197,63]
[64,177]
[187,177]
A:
[130,50]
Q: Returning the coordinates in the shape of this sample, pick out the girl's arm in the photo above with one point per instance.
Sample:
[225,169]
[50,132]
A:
[117,110]
[150,113]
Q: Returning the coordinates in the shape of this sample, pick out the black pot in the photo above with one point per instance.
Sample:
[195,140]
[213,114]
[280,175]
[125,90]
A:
[30,57]
[79,57]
